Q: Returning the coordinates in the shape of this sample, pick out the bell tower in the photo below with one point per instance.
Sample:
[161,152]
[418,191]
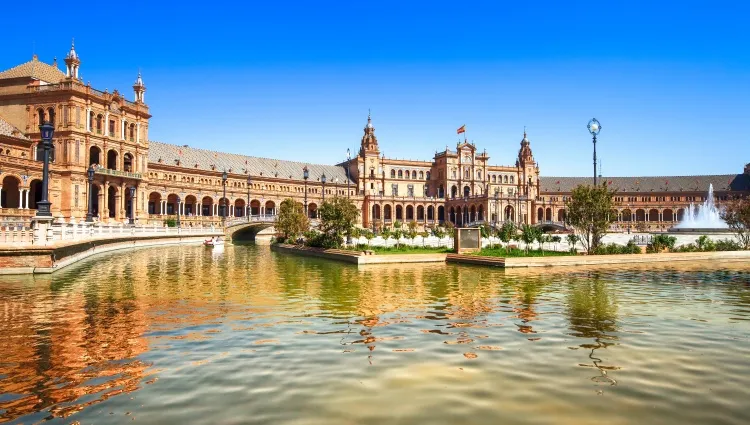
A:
[72,63]
[369,143]
[139,89]
[372,165]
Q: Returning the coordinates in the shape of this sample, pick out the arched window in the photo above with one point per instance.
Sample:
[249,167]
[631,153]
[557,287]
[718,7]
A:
[421,175]
[511,179]
[393,174]
[400,174]
[467,174]
[414,174]
[132,131]
[51,115]
[505,179]
[467,191]
[427,175]
[99,119]
[91,121]
[494,179]
[40,116]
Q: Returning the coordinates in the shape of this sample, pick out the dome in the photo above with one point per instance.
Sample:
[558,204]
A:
[72,53]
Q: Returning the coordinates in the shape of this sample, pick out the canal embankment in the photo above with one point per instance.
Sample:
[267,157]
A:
[48,259]
[358,257]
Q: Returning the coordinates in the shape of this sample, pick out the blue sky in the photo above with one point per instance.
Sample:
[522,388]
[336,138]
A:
[669,81]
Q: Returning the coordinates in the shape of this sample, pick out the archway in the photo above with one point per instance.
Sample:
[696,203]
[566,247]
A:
[95,156]
[112,159]
[459,216]
[473,214]
[480,212]
[312,210]
[190,203]
[680,214]
[409,213]
[154,203]
[627,215]
[207,206]
[35,195]
[376,212]
[561,215]
[399,212]
[270,208]
[510,213]
[467,191]
[548,215]
[128,163]
[667,215]
[653,215]
[540,214]
[172,204]
[11,198]
[420,213]
[94,199]
[128,204]
[640,215]
[255,207]
[454,191]
[223,207]
[452,217]
[441,214]
[239,208]
[112,201]
[387,212]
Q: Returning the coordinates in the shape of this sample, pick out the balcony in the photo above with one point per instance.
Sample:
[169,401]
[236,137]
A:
[117,173]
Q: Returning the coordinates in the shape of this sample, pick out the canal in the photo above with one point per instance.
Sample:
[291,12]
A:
[181,335]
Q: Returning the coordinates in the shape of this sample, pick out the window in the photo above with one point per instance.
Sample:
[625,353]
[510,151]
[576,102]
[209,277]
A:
[511,179]
[111,128]
[78,151]
[393,174]
[400,174]
[78,116]
[453,174]
[410,191]
[394,190]
[414,175]
[479,175]
[494,178]
[421,175]
[427,175]
[65,115]
[506,179]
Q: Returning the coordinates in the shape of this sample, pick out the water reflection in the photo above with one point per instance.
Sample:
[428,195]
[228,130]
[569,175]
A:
[215,330]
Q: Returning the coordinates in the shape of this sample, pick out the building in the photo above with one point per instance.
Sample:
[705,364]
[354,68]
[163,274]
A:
[152,181]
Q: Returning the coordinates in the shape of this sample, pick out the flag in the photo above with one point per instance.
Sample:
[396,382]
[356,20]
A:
[461,129]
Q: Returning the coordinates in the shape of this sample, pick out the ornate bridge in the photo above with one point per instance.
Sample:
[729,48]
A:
[248,227]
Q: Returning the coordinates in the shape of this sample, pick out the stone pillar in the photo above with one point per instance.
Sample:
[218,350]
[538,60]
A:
[20,199]
[1,197]
[27,198]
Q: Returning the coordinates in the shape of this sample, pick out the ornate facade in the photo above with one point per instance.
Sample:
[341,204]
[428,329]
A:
[107,131]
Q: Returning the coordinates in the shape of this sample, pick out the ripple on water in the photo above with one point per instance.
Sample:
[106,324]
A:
[184,336]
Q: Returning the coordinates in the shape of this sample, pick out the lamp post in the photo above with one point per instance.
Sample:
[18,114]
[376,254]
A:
[132,207]
[323,180]
[248,210]
[43,206]
[594,128]
[224,177]
[348,159]
[90,212]
[306,175]
[178,209]
[497,203]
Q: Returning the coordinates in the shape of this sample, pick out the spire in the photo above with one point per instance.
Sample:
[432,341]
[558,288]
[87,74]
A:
[139,88]
[72,62]
[369,141]
[524,154]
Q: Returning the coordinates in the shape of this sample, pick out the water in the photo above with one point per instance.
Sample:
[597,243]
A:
[706,216]
[185,335]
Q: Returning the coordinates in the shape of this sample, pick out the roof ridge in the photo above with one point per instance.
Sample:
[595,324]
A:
[237,154]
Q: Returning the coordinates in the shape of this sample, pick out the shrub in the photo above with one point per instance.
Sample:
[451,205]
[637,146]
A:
[728,245]
[704,243]
[613,248]
[170,222]
[660,242]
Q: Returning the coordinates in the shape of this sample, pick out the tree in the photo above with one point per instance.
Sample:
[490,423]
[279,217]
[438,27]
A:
[291,220]
[411,232]
[556,239]
[386,234]
[529,234]
[541,238]
[572,240]
[368,235]
[506,233]
[737,215]
[337,219]
[589,212]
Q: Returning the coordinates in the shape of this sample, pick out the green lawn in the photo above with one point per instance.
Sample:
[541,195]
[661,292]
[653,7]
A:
[515,252]
[403,249]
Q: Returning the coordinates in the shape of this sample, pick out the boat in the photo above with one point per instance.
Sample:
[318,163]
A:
[213,242]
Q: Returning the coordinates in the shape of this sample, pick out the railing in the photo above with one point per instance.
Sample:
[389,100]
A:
[22,235]
[265,218]
[117,173]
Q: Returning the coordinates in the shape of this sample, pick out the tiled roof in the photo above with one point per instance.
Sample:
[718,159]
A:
[721,182]
[34,69]
[265,167]
[7,129]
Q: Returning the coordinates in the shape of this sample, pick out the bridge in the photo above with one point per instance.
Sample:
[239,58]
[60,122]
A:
[245,228]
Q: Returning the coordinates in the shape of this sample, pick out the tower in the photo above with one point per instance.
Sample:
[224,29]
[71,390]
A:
[139,89]
[528,178]
[72,63]
[369,141]
[372,165]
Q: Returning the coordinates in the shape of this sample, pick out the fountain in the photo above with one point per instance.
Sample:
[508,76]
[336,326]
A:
[703,218]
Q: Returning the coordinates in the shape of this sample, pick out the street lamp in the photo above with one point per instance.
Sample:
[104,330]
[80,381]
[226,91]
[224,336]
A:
[248,210]
[348,159]
[323,180]
[43,206]
[178,208]
[132,204]
[90,212]
[306,175]
[594,128]
[224,177]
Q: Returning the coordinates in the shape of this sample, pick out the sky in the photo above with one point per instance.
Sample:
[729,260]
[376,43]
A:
[669,81]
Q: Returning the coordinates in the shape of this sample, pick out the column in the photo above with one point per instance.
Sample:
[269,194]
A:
[27,198]
[20,199]
[1,197]
[106,126]
[88,119]
[138,132]
[122,131]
